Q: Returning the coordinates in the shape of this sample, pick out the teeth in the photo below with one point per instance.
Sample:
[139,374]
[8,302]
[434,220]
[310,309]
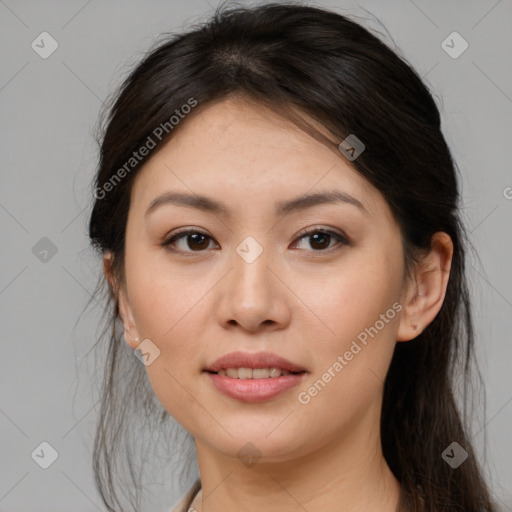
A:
[232,372]
[256,373]
[274,371]
[244,373]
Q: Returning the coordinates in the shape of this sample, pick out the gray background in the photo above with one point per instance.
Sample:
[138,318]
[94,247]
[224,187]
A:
[49,108]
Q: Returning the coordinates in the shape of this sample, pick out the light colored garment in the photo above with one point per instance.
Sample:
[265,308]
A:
[184,503]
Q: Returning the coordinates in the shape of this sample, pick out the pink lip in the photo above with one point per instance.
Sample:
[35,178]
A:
[255,390]
[253,360]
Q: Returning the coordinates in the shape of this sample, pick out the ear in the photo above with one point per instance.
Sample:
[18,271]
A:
[131,334]
[425,292]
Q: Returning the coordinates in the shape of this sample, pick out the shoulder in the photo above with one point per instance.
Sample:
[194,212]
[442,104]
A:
[184,503]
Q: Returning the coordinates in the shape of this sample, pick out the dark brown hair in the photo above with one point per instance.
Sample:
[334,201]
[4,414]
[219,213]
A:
[298,60]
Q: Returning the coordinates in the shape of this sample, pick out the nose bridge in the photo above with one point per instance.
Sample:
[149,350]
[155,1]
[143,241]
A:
[251,295]
[251,275]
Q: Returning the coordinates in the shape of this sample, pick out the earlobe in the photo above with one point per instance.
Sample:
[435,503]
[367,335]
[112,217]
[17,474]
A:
[425,293]
[410,326]
[107,270]
[131,334]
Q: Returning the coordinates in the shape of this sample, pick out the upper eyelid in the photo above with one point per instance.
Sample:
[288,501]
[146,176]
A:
[313,229]
[301,233]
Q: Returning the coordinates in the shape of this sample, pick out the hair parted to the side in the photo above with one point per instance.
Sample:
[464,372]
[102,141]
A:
[305,61]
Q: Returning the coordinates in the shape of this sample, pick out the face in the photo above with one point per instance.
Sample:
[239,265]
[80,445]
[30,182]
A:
[319,285]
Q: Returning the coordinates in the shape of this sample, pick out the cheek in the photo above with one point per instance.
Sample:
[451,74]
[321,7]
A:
[162,295]
[354,343]
[165,315]
[163,304]
[352,297]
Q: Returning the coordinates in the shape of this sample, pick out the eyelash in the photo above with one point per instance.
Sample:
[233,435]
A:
[341,239]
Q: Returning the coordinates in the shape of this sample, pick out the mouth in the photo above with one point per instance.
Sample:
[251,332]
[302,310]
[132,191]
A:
[242,373]
[247,365]
[254,377]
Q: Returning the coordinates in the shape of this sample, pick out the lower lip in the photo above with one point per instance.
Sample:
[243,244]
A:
[255,390]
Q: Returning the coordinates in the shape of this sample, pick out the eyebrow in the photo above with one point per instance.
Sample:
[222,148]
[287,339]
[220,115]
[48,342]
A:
[207,204]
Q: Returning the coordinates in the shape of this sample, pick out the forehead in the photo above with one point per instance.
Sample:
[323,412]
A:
[237,130]
[239,148]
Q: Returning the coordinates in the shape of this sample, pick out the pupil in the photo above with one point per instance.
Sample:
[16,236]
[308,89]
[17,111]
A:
[194,236]
[324,236]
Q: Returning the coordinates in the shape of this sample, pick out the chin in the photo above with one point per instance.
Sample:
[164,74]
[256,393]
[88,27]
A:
[267,442]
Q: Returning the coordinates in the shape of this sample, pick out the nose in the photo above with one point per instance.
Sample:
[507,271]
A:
[253,297]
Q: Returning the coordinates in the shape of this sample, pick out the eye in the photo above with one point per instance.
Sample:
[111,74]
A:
[194,239]
[197,241]
[321,238]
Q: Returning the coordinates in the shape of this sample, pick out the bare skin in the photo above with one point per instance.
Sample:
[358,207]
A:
[306,301]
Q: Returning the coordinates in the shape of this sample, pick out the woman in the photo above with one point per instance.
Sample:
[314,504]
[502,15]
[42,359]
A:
[277,211]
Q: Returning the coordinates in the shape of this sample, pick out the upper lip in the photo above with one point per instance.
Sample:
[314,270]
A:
[253,360]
